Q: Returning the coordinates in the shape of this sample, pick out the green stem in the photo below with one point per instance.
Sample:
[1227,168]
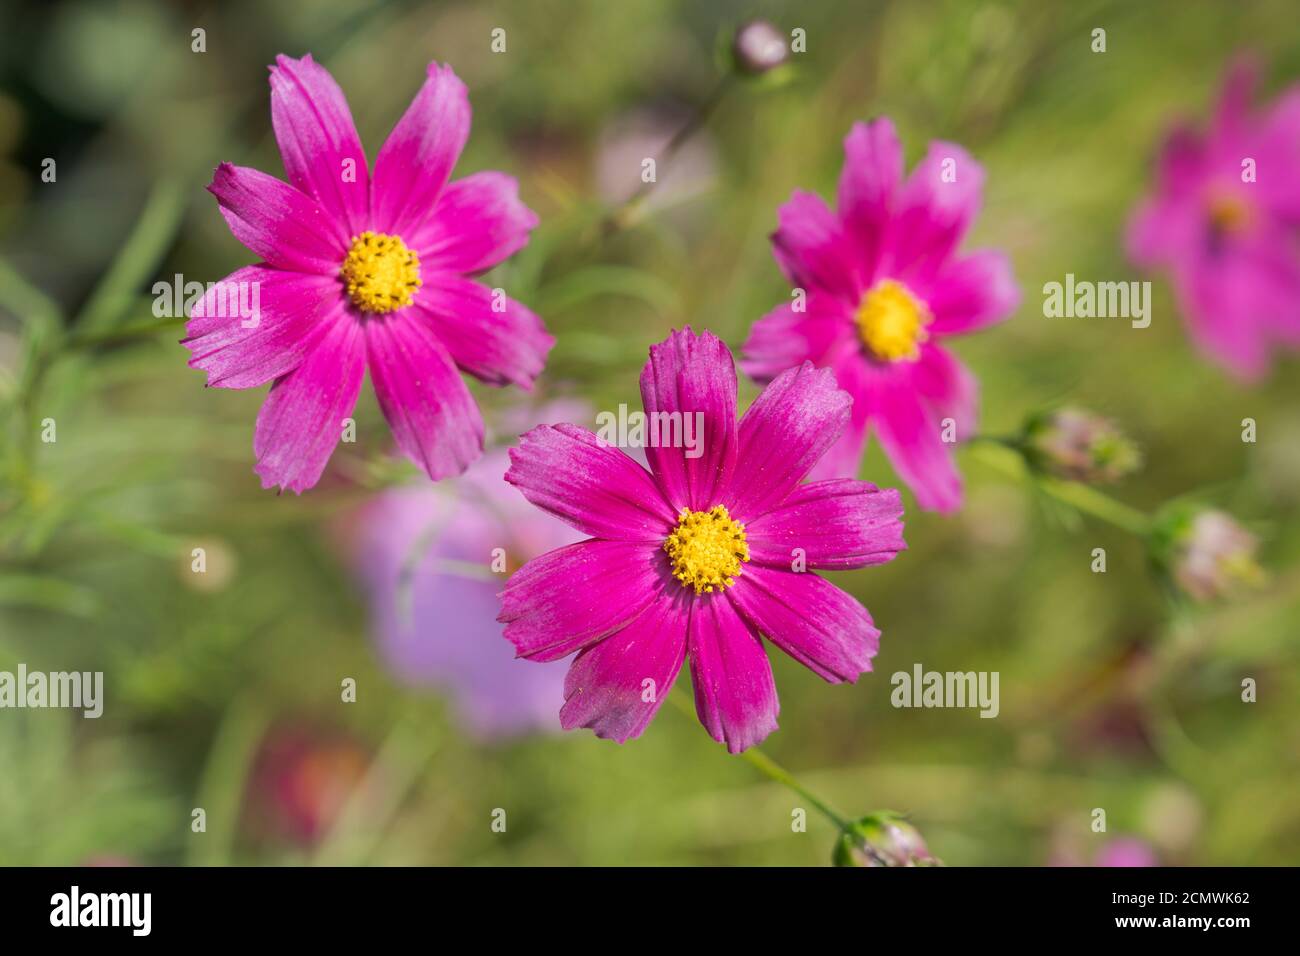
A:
[370,808]
[1001,455]
[29,304]
[139,256]
[1090,501]
[44,322]
[775,771]
[223,781]
[624,214]
[127,333]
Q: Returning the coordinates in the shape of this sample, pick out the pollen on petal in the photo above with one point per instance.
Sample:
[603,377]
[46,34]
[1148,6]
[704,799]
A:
[381,274]
[706,549]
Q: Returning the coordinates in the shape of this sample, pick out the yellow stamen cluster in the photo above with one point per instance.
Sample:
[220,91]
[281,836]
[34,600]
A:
[706,549]
[380,272]
[891,322]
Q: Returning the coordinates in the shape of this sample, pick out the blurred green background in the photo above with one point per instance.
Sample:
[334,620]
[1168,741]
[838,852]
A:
[1111,696]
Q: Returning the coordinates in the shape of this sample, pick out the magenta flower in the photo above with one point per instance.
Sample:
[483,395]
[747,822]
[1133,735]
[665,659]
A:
[366,269]
[878,284]
[699,556]
[1223,221]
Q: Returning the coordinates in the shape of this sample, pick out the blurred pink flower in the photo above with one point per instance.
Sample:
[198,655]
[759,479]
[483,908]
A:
[301,779]
[1223,221]
[366,269]
[1125,851]
[1072,847]
[878,283]
[425,555]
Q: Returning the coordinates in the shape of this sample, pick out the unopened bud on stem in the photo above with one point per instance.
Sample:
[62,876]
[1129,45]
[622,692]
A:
[1078,445]
[882,839]
[758,48]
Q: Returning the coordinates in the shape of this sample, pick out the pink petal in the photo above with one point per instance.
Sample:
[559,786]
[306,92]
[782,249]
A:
[1279,147]
[1171,223]
[1183,161]
[1242,300]
[935,208]
[735,696]
[285,227]
[577,595]
[1232,115]
[843,459]
[1161,230]
[810,619]
[693,376]
[813,250]
[431,413]
[971,292]
[836,524]
[911,436]
[318,139]
[947,387]
[303,417]
[496,347]
[783,434]
[416,160]
[478,222]
[294,310]
[873,168]
[785,338]
[567,471]
[606,688]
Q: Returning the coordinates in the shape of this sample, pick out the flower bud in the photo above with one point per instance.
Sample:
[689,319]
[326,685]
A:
[1210,554]
[882,839]
[1078,445]
[758,48]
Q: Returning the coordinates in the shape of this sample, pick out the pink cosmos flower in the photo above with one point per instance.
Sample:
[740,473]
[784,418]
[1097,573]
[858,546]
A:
[366,268]
[699,556]
[1223,220]
[878,284]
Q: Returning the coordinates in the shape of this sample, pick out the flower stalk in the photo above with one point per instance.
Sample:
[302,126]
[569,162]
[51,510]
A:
[774,771]
[1003,456]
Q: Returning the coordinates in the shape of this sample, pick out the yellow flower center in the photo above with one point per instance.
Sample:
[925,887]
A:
[1228,213]
[706,549]
[891,322]
[380,272]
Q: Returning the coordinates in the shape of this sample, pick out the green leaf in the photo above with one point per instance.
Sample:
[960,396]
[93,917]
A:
[140,255]
[49,593]
[594,281]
